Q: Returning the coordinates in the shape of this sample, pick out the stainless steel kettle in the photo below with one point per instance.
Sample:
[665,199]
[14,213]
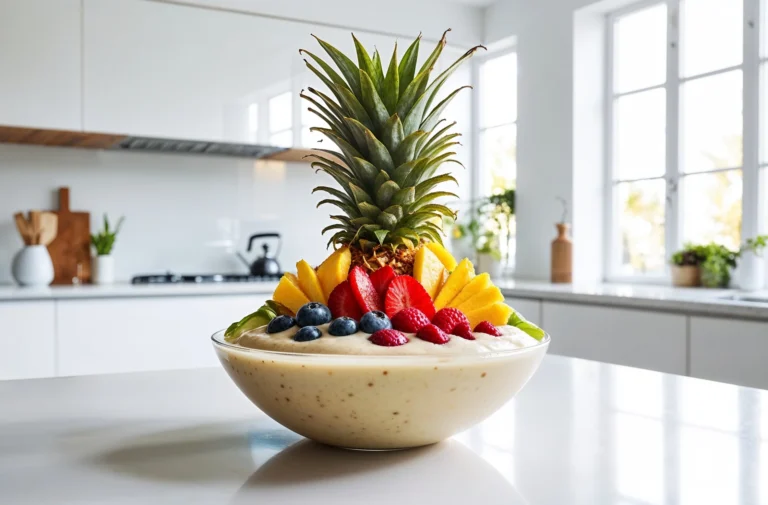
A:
[263,265]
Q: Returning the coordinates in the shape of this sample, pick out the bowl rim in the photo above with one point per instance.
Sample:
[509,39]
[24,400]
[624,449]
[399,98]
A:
[219,342]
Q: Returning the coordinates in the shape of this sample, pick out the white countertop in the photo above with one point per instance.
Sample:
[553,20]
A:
[581,432]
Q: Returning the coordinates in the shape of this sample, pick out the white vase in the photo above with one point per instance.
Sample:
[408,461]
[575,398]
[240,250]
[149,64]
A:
[486,263]
[751,272]
[103,269]
[32,266]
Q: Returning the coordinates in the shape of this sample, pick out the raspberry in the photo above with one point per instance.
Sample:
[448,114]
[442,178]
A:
[432,333]
[388,338]
[410,320]
[463,330]
[446,319]
[486,327]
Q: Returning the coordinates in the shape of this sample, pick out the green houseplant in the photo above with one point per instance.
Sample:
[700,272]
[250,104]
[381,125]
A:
[103,242]
[686,266]
[708,265]
[752,263]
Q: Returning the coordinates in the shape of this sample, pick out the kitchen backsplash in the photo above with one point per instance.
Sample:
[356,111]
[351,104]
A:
[183,213]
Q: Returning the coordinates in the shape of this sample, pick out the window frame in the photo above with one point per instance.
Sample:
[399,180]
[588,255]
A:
[752,65]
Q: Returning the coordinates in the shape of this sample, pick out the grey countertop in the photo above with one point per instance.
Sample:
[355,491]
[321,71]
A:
[581,432]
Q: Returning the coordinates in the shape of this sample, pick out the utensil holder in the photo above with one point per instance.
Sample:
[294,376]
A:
[32,266]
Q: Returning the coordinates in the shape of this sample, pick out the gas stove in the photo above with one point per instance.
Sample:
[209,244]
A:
[170,278]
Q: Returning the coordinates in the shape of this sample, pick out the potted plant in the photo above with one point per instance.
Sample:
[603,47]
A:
[103,262]
[752,263]
[686,266]
[483,241]
[717,265]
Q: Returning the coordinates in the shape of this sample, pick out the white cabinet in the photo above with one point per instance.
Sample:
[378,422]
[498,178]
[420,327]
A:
[644,339]
[40,64]
[125,335]
[729,350]
[27,340]
[529,309]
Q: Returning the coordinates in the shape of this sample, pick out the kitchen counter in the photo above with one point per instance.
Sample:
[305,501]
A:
[691,301]
[126,290]
[581,432]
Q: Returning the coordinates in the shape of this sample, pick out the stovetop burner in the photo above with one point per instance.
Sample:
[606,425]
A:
[170,278]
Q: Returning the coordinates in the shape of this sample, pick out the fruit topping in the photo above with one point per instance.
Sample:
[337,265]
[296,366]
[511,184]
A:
[473,287]
[365,294]
[264,315]
[410,320]
[333,271]
[280,323]
[487,328]
[464,331]
[447,319]
[289,293]
[307,334]
[313,314]
[342,327]
[428,270]
[448,261]
[342,302]
[309,283]
[279,309]
[388,338]
[484,298]
[381,279]
[432,333]
[405,291]
[519,322]
[497,314]
[460,277]
[373,321]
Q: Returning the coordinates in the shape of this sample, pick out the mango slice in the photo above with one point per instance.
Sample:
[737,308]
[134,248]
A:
[289,294]
[428,270]
[448,261]
[334,270]
[475,286]
[497,314]
[486,297]
[460,277]
[309,283]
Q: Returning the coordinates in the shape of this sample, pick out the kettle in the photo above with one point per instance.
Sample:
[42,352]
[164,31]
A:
[264,265]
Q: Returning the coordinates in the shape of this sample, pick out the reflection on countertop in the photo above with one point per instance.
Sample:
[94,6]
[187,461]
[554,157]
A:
[580,433]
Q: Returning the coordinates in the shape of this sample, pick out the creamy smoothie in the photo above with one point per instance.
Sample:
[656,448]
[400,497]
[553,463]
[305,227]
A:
[348,392]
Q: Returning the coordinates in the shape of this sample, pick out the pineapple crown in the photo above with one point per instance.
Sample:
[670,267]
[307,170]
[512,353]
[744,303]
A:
[390,141]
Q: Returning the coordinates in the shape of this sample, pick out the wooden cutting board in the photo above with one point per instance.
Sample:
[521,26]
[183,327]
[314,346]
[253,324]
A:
[72,245]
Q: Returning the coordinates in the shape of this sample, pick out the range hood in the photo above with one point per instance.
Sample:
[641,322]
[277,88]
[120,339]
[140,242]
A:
[68,138]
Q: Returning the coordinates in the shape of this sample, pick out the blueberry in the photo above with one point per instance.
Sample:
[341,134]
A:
[307,333]
[373,321]
[313,314]
[280,323]
[342,327]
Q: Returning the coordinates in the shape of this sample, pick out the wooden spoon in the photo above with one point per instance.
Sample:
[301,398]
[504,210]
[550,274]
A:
[34,219]
[23,226]
[49,223]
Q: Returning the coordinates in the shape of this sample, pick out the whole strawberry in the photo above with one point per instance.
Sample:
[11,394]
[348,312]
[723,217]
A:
[410,320]
[432,333]
[448,318]
[388,338]
[464,331]
[487,328]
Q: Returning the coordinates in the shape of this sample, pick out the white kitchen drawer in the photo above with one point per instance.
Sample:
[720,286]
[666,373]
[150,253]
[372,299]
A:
[27,340]
[529,309]
[729,350]
[643,339]
[126,335]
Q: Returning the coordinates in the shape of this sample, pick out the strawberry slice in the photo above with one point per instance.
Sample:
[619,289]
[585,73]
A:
[381,279]
[342,302]
[365,294]
[404,291]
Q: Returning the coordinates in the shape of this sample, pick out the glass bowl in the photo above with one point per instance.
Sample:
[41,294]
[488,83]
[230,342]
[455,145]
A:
[378,402]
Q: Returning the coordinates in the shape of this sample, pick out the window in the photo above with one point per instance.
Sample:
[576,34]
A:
[497,137]
[680,130]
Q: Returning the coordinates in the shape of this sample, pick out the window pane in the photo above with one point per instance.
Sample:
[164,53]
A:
[308,120]
[641,226]
[282,139]
[499,158]
[498,90]
[280,111]
[640,57]
[311,139]
[712,208]
[640,135]
[711,123]
[711,35]
[253,122]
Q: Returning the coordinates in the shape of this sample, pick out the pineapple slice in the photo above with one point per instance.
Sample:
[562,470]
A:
[428,270]
[334,270]
[460,277]
[486,297]
[442,253]
[309,283]
[289,293]
[475,286]
[497,314]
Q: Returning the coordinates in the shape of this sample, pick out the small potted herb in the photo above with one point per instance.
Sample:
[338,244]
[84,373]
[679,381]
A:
[717,265]
[686,266]
[103,262]
[752,263]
